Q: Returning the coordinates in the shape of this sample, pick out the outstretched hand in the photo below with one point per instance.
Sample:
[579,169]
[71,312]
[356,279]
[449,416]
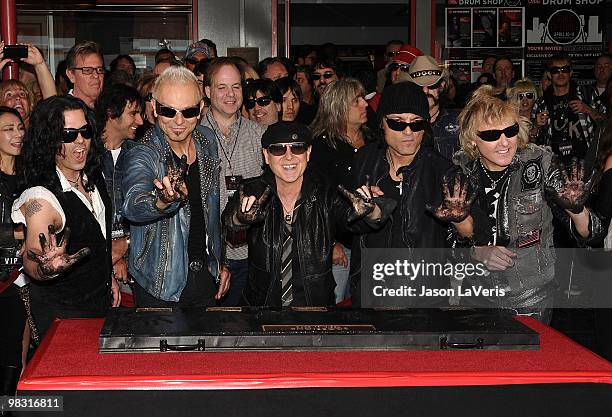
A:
[54,260]
[172,187]
[455,207]
[360,200]
[572,192]
[251,210]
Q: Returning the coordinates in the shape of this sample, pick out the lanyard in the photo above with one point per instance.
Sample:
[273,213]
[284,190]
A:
[220,141]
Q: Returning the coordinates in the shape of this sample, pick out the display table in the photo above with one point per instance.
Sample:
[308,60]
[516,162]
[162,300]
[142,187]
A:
[560,379]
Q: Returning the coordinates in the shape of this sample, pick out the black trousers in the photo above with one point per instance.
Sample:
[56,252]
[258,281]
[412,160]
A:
[12,323]
[199,292]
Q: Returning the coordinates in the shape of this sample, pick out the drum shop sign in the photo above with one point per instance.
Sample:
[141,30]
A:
[573,26]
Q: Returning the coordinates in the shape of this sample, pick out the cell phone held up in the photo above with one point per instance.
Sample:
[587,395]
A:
[15,52]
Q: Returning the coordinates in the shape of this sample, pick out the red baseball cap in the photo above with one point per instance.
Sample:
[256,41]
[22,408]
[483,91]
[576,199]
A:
[407,53]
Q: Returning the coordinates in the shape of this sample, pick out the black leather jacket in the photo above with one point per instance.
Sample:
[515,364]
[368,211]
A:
[321,215]
[422,181]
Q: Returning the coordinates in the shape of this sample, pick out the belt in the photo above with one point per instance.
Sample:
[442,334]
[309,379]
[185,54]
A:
[196,265]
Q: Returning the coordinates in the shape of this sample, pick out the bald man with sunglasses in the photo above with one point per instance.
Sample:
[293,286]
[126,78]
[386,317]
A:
[292,217]
[172,201]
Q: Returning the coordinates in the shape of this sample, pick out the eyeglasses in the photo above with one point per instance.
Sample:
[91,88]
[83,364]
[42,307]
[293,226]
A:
[394,66]
[494,134]
[70,134]
[90,70]
[391,54]
[327,75]
[170,112]
[528,95]
[279,149]
[400,126]
[263,101]
[566,69]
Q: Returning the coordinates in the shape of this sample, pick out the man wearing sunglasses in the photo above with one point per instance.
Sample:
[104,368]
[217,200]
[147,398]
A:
[263,102]
[428,74]
[196,52]
[238,141]
[324,73]
[172,201]
[561,116]
[407,169]
[292,218]
[85,69]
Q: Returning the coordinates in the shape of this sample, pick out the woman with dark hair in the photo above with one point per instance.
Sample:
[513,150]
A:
[263,101]
[13,288]
[339,129]
[292,97]
[65,195]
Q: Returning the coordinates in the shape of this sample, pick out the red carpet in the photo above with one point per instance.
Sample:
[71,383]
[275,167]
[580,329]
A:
[69,359]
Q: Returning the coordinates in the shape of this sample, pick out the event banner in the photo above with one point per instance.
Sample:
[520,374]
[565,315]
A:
[573,26]
[477,28]
[532,274]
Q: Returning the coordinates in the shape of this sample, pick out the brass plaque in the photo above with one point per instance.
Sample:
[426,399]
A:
[317,327]
[226,309]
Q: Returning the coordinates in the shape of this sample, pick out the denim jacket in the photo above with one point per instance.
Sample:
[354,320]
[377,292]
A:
[158,258]
[113,175]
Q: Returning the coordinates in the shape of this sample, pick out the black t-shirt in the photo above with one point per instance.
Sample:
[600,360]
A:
[568,137]
[492,194]
[196,246]
[392,190]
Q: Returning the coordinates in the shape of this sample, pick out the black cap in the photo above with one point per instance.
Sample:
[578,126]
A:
[286,132]
[404,97]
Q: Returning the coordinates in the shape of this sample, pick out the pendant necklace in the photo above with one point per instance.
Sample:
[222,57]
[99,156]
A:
[398,186]
[493,182]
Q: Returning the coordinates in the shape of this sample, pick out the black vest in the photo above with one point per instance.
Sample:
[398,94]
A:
[86,285]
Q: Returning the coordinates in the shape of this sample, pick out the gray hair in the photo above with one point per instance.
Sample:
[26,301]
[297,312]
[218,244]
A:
[176,75]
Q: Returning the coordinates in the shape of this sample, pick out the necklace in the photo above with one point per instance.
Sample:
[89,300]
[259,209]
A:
[75,182]
[493,182]
[288,214]
[398,186]
[433,117]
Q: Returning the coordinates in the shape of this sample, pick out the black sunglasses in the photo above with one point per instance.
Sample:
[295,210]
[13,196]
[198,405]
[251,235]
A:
[327,75]
[263,101]
[394,66]
[70,134]
[558,70]
[494,134]
[528,95]
[391,54]
[400,126]
[279,149]
[170,112]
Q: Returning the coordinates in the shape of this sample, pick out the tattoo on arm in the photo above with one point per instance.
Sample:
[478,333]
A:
[32,208]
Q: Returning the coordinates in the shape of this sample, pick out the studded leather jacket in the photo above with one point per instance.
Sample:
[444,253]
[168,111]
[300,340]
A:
[158,258]
[524,220]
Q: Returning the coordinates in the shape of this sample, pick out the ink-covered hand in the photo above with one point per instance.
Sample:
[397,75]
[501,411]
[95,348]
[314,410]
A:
[360,200]
[172,187]
[572,191]
[54,260]
[251,210]
[455,206]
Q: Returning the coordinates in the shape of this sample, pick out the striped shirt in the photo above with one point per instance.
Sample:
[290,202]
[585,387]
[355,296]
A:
[240,154]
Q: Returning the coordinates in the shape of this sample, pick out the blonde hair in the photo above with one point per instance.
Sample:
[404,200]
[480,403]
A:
[332,115]
[175,74]
[14,84]
[485,108]
[521,86]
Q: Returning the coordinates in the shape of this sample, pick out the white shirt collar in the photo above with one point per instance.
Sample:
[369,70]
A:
[66,186]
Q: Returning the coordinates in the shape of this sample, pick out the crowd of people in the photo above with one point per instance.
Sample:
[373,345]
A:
[205,181]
